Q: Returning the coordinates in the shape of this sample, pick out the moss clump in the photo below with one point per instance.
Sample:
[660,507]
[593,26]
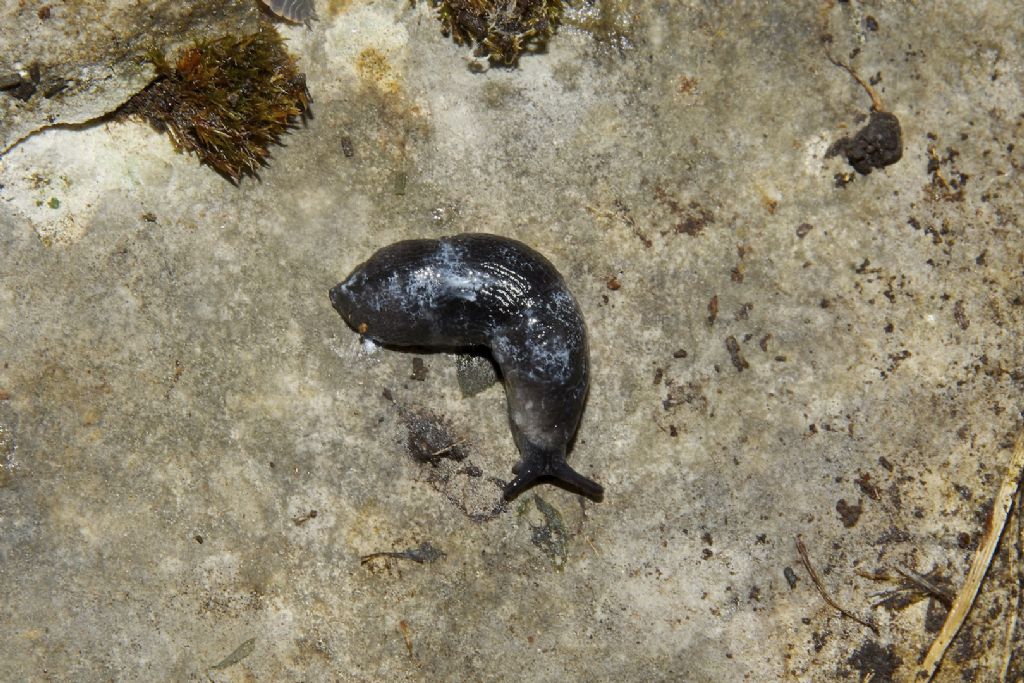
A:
[226,100]
[501,29]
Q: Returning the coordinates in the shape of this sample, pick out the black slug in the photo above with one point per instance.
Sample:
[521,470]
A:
[485,290]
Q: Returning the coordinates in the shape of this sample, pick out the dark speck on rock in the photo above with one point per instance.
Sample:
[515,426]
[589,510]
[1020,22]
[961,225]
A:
[849,514]
[419,369]
[876,145]
[791,577]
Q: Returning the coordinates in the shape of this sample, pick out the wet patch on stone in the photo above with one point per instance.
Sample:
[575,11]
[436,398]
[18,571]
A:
[548,530]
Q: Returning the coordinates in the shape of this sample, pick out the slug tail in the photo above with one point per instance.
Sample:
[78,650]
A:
[576,482]
[519,484]
[561,473]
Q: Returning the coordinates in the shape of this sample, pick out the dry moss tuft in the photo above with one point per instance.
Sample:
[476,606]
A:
[501,29]
[226,100]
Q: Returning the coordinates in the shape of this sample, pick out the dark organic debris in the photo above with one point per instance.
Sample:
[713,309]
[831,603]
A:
[685,393]
[22,86]
[299,11]
[431,437]
[849,513]
[688,218]
[816,580]
[299,520]
[433,442]
[226,100]
[733,347]
[878,144]
[425,553]
[912,588]
[864,483]
[501,29]
[871,659]
[712,309]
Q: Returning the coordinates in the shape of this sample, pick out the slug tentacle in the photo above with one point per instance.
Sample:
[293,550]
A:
[485,290]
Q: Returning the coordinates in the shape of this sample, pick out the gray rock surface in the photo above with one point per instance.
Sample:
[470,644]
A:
[780,348]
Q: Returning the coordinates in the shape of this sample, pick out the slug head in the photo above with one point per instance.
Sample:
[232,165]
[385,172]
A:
[349,299]
[375,301]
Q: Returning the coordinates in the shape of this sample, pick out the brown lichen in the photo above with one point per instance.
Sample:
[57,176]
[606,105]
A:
[226,100]
[501,29]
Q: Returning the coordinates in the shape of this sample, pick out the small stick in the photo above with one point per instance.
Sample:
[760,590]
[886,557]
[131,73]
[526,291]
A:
[880,575]
[876,101]
[979,565]
[403,626]
[826,39]
[802,549]
[1014,571]
[422,554]
[448,448]
[926,586]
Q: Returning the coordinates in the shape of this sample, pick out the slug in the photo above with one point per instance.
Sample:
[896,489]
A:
[491,291]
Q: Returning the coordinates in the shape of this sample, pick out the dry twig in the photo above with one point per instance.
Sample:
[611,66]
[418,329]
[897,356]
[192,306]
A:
[979,565]
[926,587]
[1015,571]
[802,549]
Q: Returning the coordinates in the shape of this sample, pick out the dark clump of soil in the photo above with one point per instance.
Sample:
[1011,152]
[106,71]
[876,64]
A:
[431,437]
[445,459]
[848,513]
[872,658]
[876,145]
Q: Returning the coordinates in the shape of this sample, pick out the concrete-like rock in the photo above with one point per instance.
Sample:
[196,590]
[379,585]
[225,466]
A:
[771,334]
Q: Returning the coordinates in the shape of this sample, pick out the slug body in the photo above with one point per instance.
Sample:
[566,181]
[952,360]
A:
[485,290]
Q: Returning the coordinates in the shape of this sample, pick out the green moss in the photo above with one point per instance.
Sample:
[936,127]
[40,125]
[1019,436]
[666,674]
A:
[501,29]
[226,100]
